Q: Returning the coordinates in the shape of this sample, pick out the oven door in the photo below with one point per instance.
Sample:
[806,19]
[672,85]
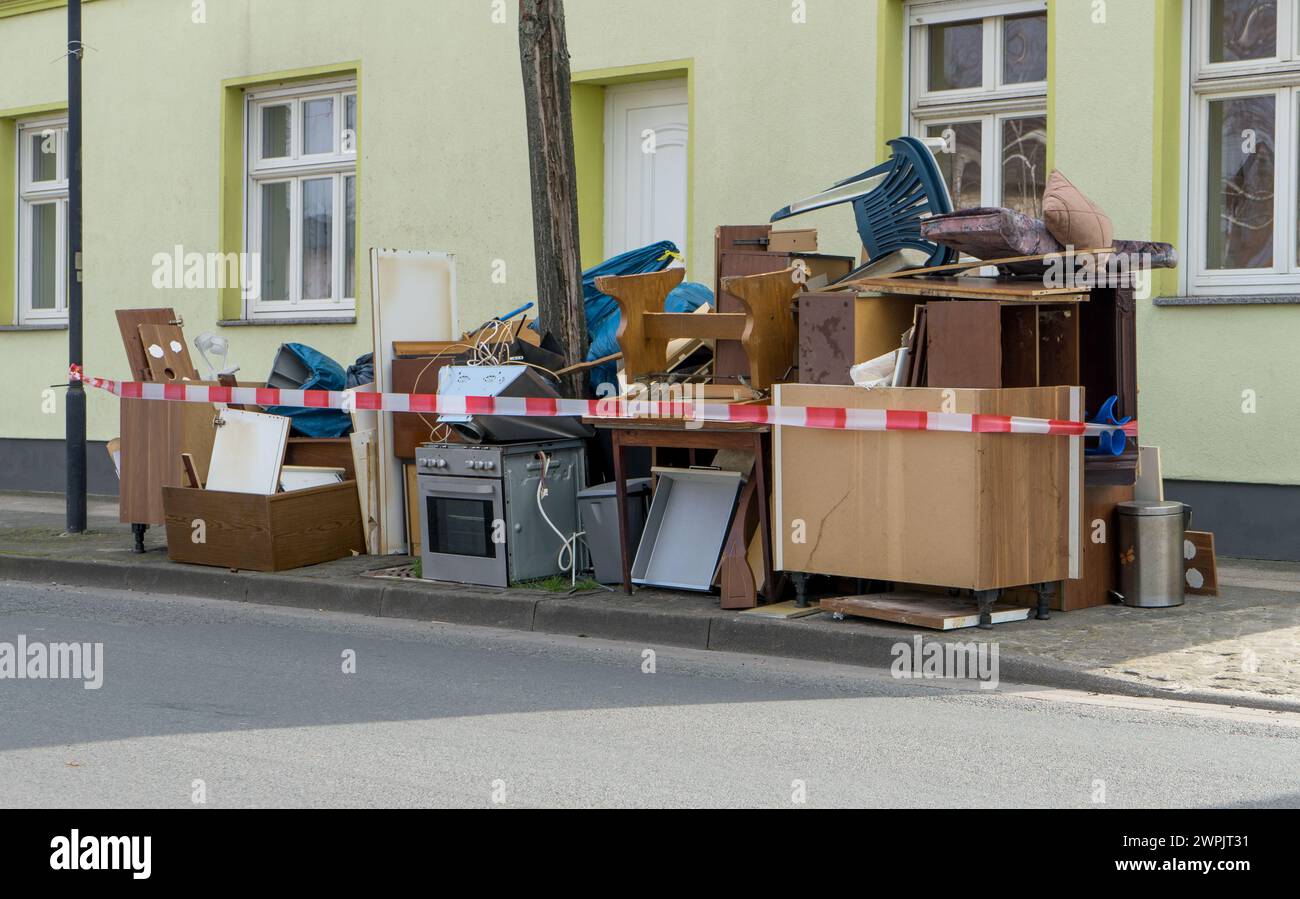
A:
[458,521]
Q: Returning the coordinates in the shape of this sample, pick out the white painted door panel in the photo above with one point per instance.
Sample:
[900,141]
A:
[646,146]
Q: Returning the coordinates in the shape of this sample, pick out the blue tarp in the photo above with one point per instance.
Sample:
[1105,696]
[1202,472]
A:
[602,311]
[326,374]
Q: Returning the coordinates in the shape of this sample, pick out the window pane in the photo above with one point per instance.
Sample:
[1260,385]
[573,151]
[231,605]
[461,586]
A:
[317,232]
[1024,164]
[349,142]
[44,147]
[1024,48]
[45,255]
[318,126]
[960,160]
[274,260]
[1242,29]
[1239,181]
[275,131]
[956,55]
[350,237]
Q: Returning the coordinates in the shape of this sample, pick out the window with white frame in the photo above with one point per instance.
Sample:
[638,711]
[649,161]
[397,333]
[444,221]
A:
[1243,197]
[977,80]
[301,201]
[42,216]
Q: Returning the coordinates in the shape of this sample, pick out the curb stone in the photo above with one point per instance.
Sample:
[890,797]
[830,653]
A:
[813,638]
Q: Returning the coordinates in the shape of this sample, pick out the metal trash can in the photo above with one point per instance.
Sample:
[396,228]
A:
[1151,553]
[598,511]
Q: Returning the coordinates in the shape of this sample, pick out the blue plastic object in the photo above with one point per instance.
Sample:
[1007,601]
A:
[890,201]
[324,374]
[1112,442]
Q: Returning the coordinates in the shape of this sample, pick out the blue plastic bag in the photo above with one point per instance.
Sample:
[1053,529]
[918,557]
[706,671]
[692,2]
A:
[602,311]
[325,374]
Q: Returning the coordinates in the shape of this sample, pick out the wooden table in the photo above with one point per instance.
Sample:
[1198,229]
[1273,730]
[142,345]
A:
[703,435]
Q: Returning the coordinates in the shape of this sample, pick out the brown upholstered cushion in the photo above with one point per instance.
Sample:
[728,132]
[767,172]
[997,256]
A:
[1072,218]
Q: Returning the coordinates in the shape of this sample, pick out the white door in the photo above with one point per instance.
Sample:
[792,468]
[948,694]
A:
[645,165]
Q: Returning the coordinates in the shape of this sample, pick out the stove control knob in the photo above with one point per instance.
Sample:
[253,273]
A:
[490,466]
[469,463]
[440,463]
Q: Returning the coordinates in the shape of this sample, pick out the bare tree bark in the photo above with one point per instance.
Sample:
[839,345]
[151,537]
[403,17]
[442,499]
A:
[544,54]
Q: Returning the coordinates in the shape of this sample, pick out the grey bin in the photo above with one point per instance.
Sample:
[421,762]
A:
[598,511]
[1151,554]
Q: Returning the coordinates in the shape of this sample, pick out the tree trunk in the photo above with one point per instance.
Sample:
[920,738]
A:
[544,54]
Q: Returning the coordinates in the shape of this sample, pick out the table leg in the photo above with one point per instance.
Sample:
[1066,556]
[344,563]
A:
[620,494]
[137,531]
[986,599]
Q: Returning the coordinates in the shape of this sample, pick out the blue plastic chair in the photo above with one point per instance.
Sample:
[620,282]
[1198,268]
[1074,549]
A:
[890,201]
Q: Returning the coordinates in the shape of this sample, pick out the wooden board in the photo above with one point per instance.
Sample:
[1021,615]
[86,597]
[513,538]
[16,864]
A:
[1200,568]
[1100,564]
[771,340]
[365,461]
[154,434]
[963,345]
[974,289]
[879,323]
[302,477]
[167,355]
[128,323]
[248,452]
[939,613]
[783,610]
[413,297]
[330,452]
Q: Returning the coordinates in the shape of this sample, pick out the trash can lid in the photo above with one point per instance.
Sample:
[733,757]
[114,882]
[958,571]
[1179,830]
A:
[1150,507]
[635,487]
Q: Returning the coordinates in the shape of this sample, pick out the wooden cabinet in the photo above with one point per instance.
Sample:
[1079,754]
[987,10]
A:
[741,250]
[952,509]
[154,433]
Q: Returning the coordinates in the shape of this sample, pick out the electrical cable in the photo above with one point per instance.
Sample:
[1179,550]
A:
[569,545]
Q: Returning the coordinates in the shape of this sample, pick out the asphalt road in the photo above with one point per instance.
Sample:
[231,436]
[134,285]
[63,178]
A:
[253,702]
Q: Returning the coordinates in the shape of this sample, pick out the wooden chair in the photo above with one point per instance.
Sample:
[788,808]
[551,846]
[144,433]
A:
[766,329]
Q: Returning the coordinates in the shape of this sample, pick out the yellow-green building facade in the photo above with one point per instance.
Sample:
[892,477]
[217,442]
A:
[209,125]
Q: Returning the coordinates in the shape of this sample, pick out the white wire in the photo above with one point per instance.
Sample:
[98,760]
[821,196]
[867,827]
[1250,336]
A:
[569,545]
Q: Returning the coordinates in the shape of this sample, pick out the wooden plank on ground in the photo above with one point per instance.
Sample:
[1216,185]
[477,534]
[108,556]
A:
[941,613]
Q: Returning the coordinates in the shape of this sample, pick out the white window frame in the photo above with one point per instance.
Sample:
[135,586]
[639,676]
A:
[992,103]
[339,164]
[32,193]
[1279,77]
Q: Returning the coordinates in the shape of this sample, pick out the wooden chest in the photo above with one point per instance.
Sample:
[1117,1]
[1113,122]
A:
[263,533]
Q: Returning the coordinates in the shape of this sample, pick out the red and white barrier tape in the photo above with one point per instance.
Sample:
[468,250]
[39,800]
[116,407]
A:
[830,418]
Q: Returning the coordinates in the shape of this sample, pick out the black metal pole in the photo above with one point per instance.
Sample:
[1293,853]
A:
[75,428]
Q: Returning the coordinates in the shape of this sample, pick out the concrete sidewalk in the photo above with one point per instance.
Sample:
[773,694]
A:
[1240,648]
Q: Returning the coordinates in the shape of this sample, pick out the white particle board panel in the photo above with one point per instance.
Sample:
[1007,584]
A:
[247,452]
[413,293]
